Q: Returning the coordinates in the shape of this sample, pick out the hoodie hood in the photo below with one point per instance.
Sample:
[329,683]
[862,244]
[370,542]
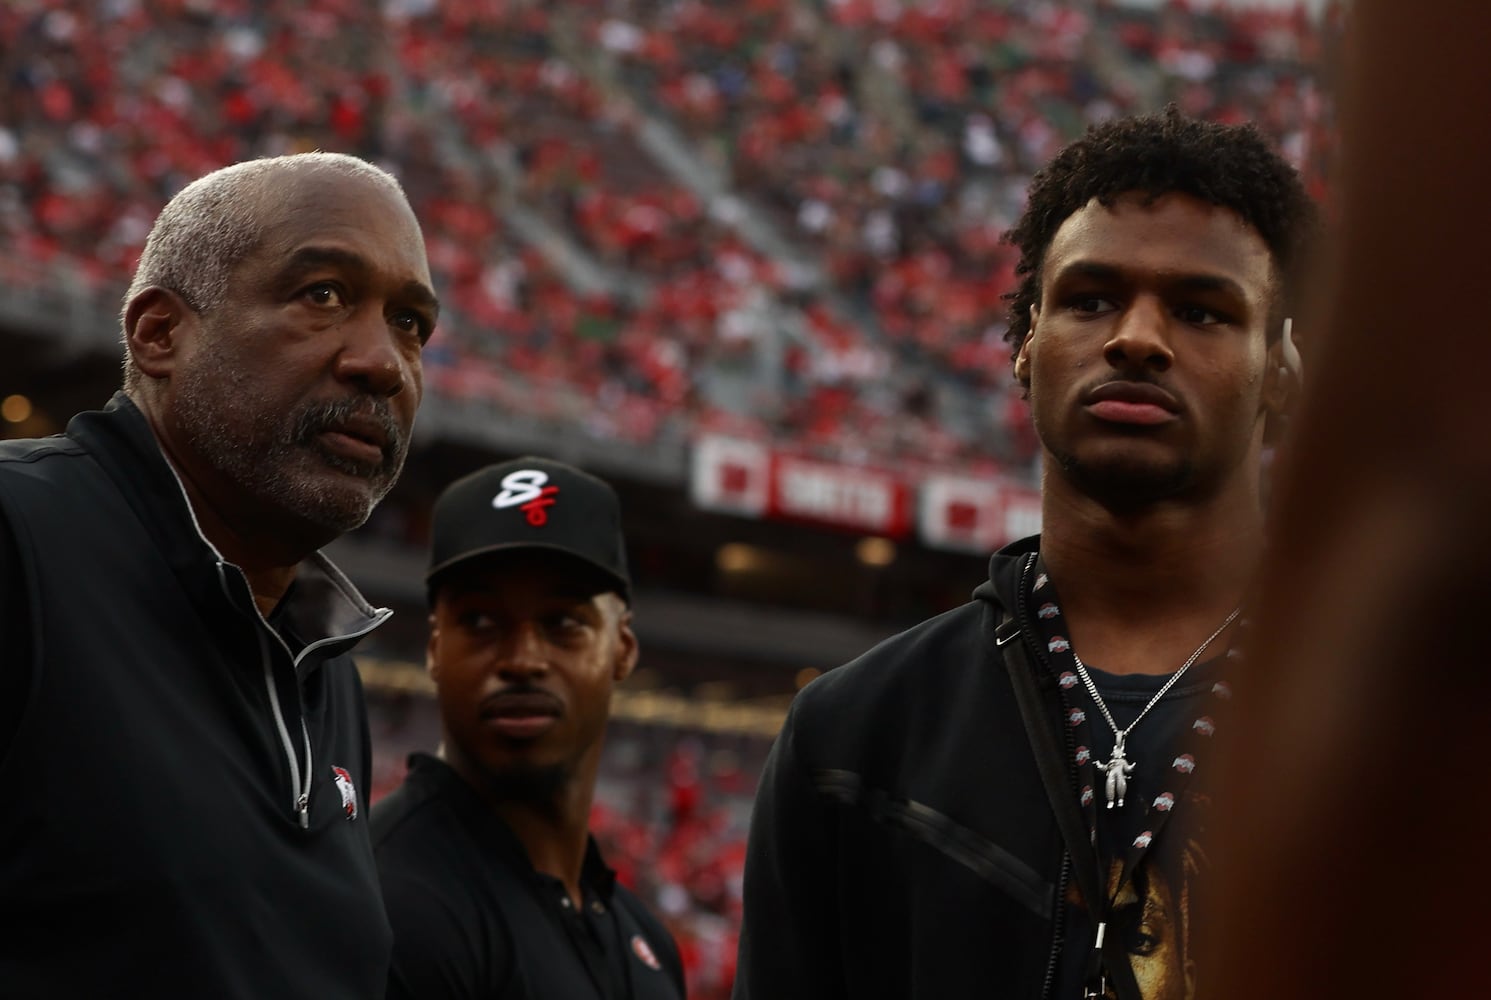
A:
[1002,589]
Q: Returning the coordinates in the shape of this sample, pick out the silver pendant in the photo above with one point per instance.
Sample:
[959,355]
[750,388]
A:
[1118,770]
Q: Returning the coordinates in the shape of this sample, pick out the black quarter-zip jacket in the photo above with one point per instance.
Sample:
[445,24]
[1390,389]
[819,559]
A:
[903,844]
[184,784]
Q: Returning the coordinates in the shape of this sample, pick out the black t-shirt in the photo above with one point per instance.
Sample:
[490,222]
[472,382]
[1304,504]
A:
[1150,909]
[1151,850]
[473,919]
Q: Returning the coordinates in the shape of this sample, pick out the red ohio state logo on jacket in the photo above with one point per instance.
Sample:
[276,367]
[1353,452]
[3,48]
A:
[349,791]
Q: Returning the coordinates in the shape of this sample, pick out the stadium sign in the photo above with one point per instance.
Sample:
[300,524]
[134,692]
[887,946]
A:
[962,513]
[731,475]
[976,515]
[750,479]
[865,500]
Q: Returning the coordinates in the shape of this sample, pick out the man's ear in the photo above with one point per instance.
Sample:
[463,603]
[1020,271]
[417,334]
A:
[1022,356]
[432,666]
[157,326]
[1284,376]
[626,653]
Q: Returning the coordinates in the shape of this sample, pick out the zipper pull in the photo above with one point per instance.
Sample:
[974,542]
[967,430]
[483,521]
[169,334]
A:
[1097,977]
[303,807]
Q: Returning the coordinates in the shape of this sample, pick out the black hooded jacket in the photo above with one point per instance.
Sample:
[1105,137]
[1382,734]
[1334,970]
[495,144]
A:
[903,842]
[157,837]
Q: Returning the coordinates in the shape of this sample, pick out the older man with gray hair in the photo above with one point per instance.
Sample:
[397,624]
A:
[183,741]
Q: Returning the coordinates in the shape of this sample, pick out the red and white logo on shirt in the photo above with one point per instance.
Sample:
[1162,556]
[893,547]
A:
[643,950]
[349,791]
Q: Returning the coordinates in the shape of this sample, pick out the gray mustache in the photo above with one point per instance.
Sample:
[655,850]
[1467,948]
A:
[320,417]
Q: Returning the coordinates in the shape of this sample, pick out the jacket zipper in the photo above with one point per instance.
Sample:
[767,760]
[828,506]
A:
[1058,924]
[1058,931]
[301,783]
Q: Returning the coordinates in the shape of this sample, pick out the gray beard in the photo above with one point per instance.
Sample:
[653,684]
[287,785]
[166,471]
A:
[280,460]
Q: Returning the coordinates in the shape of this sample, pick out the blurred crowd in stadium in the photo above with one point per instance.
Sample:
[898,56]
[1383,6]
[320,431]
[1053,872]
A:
[776,219]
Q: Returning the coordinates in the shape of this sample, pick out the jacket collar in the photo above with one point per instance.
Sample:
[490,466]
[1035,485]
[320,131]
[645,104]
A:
[1003,586]
[436,776]
[323,606]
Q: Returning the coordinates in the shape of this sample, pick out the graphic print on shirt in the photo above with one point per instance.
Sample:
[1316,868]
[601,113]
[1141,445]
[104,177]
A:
[1152,880]
[1152,916]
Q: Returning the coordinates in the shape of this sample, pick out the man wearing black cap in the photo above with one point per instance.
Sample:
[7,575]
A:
[492,883]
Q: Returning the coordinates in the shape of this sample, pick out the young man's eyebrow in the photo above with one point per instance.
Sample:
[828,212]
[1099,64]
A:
[1192,282]
[1208,283]
[1087,269]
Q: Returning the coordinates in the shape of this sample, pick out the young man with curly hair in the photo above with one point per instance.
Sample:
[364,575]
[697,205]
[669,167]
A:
[980,806]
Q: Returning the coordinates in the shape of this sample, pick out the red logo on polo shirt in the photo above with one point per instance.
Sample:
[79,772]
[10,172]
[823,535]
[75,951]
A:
[643,950]
[349,791]
[526,491]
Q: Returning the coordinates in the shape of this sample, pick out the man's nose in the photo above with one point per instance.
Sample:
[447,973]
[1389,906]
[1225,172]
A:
[520,653]
[1141,337]
[371,356]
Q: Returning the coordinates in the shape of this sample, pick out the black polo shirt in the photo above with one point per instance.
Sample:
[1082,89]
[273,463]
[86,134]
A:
[472,919]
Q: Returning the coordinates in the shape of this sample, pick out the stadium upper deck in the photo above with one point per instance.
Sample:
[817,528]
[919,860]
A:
[647,219]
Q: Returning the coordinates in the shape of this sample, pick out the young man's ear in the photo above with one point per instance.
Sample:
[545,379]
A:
[157,325]
[1282,382]
[1285,373]
[1022,356]
[626,653]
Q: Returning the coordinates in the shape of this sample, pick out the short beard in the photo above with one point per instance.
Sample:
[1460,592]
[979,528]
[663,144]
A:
[269,458]
[1125,486]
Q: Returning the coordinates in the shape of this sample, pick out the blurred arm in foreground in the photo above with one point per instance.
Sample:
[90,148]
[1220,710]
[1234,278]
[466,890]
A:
[1357,784]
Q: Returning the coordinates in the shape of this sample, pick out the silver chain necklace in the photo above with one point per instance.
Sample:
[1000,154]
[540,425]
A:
[1116,768]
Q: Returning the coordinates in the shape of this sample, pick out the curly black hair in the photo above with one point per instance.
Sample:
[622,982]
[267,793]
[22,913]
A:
[1232,166]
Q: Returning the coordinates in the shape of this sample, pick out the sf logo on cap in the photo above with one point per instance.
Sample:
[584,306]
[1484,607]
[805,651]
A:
[526,491]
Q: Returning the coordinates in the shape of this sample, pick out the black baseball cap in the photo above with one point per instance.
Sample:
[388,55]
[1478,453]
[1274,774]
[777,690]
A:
[529,503]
